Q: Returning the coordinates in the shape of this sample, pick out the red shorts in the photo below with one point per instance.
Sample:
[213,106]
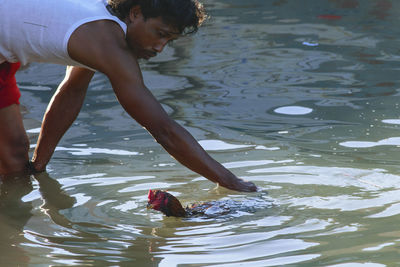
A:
[9,92]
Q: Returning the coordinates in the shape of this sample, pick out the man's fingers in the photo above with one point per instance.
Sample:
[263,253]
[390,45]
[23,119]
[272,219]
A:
[243,186]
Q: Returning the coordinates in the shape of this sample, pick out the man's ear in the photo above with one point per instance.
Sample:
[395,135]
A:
[134,13]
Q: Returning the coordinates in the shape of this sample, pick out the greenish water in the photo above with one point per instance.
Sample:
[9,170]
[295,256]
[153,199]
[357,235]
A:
[300,97]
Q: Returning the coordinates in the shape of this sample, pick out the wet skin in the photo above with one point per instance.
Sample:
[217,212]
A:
[102,45]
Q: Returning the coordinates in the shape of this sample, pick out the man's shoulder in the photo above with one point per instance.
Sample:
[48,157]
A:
[100,33]
[97,42]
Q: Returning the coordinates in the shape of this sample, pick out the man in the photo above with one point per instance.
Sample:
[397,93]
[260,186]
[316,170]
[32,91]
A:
[92,36]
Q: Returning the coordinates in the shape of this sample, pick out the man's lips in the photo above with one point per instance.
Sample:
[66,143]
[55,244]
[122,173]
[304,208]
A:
[148,54]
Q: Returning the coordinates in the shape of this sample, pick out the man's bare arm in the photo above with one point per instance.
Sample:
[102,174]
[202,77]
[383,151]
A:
[61,112]
[110,54]
[145,109]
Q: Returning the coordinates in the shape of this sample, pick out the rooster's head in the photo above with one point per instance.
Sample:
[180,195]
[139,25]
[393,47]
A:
[166,203]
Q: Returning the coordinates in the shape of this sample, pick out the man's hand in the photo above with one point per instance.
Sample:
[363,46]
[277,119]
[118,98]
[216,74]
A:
[244,186]
[237,184]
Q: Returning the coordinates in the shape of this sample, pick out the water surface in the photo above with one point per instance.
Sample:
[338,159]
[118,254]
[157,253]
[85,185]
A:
[300,97]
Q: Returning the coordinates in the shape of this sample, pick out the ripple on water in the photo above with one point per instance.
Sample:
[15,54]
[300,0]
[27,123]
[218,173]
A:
[293,110]
[244,253]
[345,216]
[392,141]
[229,247]
[391,121]
[88,151]
[366,189]
[357,264]
[213,145]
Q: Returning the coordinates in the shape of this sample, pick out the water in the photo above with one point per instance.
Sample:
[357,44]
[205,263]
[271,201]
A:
[301,97]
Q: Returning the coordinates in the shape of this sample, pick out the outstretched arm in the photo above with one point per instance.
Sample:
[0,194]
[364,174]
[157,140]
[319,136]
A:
[138,101]
[61,112]
[110,54]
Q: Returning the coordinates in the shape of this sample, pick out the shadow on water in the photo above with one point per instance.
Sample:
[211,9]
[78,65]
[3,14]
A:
[14,214]
[22,231]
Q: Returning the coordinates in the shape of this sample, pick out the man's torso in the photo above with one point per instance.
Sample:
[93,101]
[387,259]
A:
[39,30]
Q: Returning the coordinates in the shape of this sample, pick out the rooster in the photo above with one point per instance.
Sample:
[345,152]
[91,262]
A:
[166,203]
[169,205]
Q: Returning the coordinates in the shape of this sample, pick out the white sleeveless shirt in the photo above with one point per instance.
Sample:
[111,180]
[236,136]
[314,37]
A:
[39,30]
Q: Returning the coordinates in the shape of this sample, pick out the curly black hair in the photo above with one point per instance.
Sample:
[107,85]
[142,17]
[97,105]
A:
[185,15]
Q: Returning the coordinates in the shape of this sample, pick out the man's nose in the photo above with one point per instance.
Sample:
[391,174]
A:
[159,47]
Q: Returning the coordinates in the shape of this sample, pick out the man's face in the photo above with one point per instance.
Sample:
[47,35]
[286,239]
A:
[148,37]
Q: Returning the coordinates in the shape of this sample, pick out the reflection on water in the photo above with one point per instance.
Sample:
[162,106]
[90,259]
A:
[300,97]
[14,214]
[293,110]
